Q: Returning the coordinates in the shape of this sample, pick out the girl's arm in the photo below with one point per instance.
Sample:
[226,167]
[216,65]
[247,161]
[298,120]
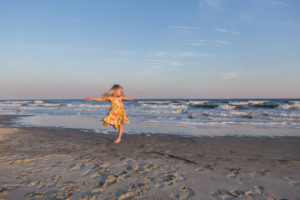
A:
[97,99]
[127,98]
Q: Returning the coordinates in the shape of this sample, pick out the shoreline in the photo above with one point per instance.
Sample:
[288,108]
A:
[69,122]
[39,163]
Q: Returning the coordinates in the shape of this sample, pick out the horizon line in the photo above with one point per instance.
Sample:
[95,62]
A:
[154,98]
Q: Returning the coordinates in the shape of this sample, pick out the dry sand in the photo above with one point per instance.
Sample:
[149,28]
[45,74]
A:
[48,163]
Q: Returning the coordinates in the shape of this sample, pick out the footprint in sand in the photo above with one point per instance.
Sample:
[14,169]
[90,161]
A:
[104,167]
[64,192]
[206,167]
[226,194]
[186,193]
[91,173]
[146,168]
[76,166]
[169,179]
[292,181]
[256,191]
[97,170]
[67,189]
[34,195]
[134,192]
[33,183]
[49,182]
[108,181]
[91,196]
[58,164]
[111,180]
[23,161]
[234,172]
[6,188]
[127,159]
[259,173]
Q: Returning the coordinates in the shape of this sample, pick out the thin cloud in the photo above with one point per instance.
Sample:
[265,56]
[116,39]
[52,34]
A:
[178,54]
[158,53]
[229,75]
[164,62]
[223,30]
[192,54]
[207,42]
[199,43]
[221,42]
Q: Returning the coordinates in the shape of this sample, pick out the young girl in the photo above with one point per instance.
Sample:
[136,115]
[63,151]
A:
[116,115]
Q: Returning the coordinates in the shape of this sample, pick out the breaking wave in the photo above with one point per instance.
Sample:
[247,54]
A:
[228,111]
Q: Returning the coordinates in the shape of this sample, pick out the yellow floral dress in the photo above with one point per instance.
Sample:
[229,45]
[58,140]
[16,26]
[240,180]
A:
[116,114]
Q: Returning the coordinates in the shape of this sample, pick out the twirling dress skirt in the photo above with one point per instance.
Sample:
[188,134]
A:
[116,114]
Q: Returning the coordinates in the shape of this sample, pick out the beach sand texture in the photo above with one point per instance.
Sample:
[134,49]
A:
[52,163]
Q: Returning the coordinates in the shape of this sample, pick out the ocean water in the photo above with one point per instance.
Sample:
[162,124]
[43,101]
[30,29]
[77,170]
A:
[259,117]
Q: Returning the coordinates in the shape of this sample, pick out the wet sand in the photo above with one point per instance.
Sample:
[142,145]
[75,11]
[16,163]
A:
[53,163]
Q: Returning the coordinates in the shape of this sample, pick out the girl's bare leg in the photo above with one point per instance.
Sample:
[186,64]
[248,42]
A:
[120,134]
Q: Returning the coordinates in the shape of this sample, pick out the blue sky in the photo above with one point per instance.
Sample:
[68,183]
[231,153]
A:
[155,49]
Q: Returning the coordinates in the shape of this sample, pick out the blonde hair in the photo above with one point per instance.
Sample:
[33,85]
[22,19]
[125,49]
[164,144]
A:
[111,92]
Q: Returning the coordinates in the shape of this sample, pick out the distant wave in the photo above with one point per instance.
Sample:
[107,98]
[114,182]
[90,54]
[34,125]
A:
[268,111]
[38,102]
[294,106]
[231,107]
[204,105]
[246,102]
[196,102]
[268,106]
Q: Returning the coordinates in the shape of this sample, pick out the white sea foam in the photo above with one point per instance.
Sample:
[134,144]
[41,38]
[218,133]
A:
[243,103]
[239,113]
[197,102]
[164,106]
[87,106]
[163,111]
[239,103]
[228,107]
[240,122]
[154,102]
[295,102]
[18,102]
[212,123]
[256,102]
[295,115]
[10,105]
[93,106]
[51,104]
[38,102]
[294,106]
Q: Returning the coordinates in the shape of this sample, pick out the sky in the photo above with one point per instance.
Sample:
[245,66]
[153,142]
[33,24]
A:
[57,49]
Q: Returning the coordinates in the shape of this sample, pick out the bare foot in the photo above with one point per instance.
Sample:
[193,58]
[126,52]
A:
[117,140]
[116,127]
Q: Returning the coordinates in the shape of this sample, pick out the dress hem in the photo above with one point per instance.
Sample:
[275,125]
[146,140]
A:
[109,124]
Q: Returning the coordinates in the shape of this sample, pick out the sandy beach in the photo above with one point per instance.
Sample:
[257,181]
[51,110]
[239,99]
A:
[53,163]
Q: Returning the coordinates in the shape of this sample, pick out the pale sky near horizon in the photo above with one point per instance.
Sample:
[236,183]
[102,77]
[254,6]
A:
[155,49]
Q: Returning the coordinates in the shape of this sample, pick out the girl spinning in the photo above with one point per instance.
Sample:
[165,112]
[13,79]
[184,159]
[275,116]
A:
[116,115]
